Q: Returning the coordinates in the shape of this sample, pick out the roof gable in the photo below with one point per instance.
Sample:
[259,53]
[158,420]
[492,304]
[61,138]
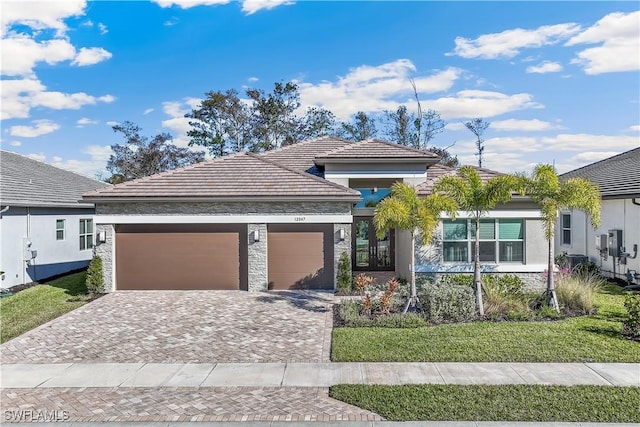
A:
[436,172]
[28,182]
[375,150]
[617,176]
[242,175]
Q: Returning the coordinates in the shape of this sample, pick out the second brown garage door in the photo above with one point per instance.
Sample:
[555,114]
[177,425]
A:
[300,256]
[180,257]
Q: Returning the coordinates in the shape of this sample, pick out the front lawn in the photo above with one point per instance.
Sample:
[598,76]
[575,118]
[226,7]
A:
[39,304]
[495,403]
[595,338]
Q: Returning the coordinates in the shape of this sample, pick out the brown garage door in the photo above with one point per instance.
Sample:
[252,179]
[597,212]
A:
[180,257]
[300,256]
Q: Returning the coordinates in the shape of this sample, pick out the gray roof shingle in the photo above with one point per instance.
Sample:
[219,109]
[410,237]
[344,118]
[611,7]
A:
[28,182]
[300,156]
[241,175]
[617,177]
[436,172]
[376,150]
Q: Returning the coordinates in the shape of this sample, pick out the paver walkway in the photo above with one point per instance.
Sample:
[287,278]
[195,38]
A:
[182,327]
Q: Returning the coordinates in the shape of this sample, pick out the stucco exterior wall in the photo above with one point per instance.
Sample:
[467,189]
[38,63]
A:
[39,226]
[619,214]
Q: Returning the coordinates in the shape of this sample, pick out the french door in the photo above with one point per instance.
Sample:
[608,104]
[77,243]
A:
[368,252]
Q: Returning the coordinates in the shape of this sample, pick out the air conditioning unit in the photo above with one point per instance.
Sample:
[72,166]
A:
[575,259]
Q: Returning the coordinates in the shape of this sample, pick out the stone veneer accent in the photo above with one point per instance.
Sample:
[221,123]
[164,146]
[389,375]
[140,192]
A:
[339,247]
[224,208]
[258,261]
[105,251]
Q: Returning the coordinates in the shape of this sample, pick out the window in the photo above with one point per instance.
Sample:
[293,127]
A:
[86,234]
[566,229]
[59,229]
[501,240]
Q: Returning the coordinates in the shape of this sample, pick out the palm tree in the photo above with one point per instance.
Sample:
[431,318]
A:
[476,197]
[552,194]
[405,210]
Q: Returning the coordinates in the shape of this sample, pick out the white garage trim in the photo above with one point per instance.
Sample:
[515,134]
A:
[223,219]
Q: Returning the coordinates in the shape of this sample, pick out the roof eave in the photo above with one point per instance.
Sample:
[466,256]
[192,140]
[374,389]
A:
[27,204]
[427,161]
[241,199]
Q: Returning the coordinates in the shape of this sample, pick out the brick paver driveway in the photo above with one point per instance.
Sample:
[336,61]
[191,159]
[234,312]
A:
[184,326]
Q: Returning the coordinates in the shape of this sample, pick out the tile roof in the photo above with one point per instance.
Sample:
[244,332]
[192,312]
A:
[237,176]
[376,149]
[436,172]
[300,156]
[617,176]
[28,182]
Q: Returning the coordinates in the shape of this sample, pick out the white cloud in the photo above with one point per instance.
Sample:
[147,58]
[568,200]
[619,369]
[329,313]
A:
[619,37]
[40,15]
[594,156]
[39,128]
[373,88]
[16,143]
[635,128]
[455,126]
[509,43]
[186,4]
[103,28]
[95,166]
[521,125]
[545,67]
[178,123]
[148,111]
[112,123]
[19,96]
[252,6]
[589,142]
[90,56]
[252,79]
[171,22]
[37,156]
[473,103]
[57,158]
[84,121]
[20,53]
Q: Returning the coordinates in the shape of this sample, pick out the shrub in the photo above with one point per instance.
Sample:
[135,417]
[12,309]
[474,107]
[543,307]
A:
[546,312]
[345,279]
[362,281]
[504,297]
[350,313]
[447,303]
[95,280]
[576,292]
[631,326]
[457,279]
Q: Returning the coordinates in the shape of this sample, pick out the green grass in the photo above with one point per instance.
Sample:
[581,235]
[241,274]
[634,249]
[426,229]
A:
[37,305]
[595,338]
[495,403]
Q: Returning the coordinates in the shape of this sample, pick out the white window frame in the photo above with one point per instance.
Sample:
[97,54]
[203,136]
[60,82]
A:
[63,229]
[563,229]
[84,236]
[470,240]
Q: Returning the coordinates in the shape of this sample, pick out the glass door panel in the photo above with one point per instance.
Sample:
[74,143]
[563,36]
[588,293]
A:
[383,252]
[369,252]
[362,243]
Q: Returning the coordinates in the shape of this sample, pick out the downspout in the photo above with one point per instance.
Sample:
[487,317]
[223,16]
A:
[3,210]
[633,200]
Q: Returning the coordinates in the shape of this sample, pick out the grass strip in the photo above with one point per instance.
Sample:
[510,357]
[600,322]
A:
[539,403]
[34,306]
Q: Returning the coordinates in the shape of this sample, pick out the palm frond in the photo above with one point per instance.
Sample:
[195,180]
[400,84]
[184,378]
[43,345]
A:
[390,213]
[584,195]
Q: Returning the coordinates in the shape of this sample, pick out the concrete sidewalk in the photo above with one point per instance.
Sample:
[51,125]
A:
[71,375]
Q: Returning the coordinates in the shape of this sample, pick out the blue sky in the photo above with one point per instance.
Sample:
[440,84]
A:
[559,81]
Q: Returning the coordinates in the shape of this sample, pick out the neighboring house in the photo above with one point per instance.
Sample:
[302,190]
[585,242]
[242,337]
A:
[45,227]
[282,219]
[614,244]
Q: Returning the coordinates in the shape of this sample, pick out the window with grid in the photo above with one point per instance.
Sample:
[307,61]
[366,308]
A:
[566,229]
[86,234]
[59,229]
[501,240]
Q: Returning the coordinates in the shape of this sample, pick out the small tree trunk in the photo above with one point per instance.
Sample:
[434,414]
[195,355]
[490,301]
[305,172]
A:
[552,298]
[412,302]
[477,281]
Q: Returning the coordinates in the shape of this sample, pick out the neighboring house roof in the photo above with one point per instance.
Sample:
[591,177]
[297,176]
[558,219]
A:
[376,150]
[300,156]
[436,172]
[617,177]
[239,176]
[28,182]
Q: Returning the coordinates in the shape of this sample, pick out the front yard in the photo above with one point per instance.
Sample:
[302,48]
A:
[594,338]
[39,304]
